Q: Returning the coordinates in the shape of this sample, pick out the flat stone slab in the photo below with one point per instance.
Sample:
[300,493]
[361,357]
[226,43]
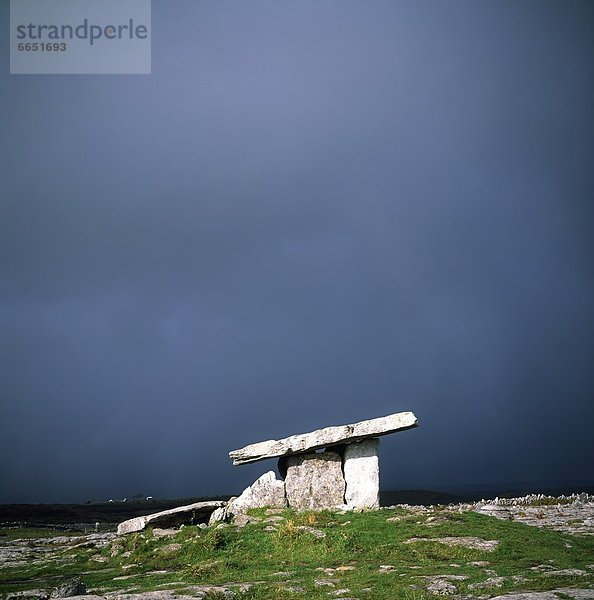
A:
[174,516]
[322,438]
[475,543]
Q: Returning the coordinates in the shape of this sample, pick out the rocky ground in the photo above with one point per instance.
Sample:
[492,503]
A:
[575,517]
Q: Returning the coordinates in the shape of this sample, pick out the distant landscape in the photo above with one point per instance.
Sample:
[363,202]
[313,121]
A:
[108,514]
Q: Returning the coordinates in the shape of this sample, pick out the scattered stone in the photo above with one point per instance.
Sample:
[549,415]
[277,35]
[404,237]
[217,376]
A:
[199,591]
[85,597]
[192,513]
[327,570]
[160,533]
[242,520]
[499,512]
[441,587]
[574,594]
[567,573]
[331,571]
[69,589]
[322,438]
[442,584]
[170,548]
[28,595]
[325,582]
[218,516]
[572,515]
[314,481]
[361,474]
[386,568]
[474,543]
[317,533]
[98,558]
[495,582]
[267,490]
[274,520]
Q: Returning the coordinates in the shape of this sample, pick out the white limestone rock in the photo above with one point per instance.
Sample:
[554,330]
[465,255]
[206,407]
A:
[314,481]
[267,491]
[322,438]
[192,513]
[361,474]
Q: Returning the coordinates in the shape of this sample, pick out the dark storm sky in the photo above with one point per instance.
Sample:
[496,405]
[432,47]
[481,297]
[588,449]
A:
[311,213]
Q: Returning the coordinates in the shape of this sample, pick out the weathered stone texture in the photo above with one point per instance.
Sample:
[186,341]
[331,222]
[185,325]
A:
[361,474]
[265,491]
[197,512]
[322,438]
[314,481]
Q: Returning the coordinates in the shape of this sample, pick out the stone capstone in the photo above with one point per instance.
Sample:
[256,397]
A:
[265,491]
[322,438]
[314,481]
[361,474]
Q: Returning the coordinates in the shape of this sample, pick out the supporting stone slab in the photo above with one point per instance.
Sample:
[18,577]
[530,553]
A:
[361,474]
[314,481]
[322,438]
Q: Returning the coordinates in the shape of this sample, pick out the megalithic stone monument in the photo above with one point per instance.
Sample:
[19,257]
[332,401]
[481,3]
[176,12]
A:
[345,473]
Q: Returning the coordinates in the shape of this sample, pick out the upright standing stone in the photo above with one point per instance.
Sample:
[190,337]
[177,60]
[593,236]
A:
[361,473]
[267,490]
[314,481]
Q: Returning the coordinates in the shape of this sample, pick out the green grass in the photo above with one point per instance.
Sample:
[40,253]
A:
[363,541]
[32,533]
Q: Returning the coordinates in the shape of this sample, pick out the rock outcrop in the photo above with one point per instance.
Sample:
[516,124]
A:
[323,438]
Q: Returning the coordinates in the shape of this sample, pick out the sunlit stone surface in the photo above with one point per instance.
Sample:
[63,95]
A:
[361,473]
[322,438]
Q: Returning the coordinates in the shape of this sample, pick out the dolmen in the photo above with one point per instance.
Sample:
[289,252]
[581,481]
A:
[327,468]
[330,468]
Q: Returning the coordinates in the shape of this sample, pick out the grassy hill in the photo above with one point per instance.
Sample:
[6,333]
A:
[411,554]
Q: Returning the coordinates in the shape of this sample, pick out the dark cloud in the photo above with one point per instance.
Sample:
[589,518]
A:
[310,213]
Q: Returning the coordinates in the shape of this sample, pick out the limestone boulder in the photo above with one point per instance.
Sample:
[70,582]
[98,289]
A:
[267,491]
[199,512]
[314,481]
[361,474]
